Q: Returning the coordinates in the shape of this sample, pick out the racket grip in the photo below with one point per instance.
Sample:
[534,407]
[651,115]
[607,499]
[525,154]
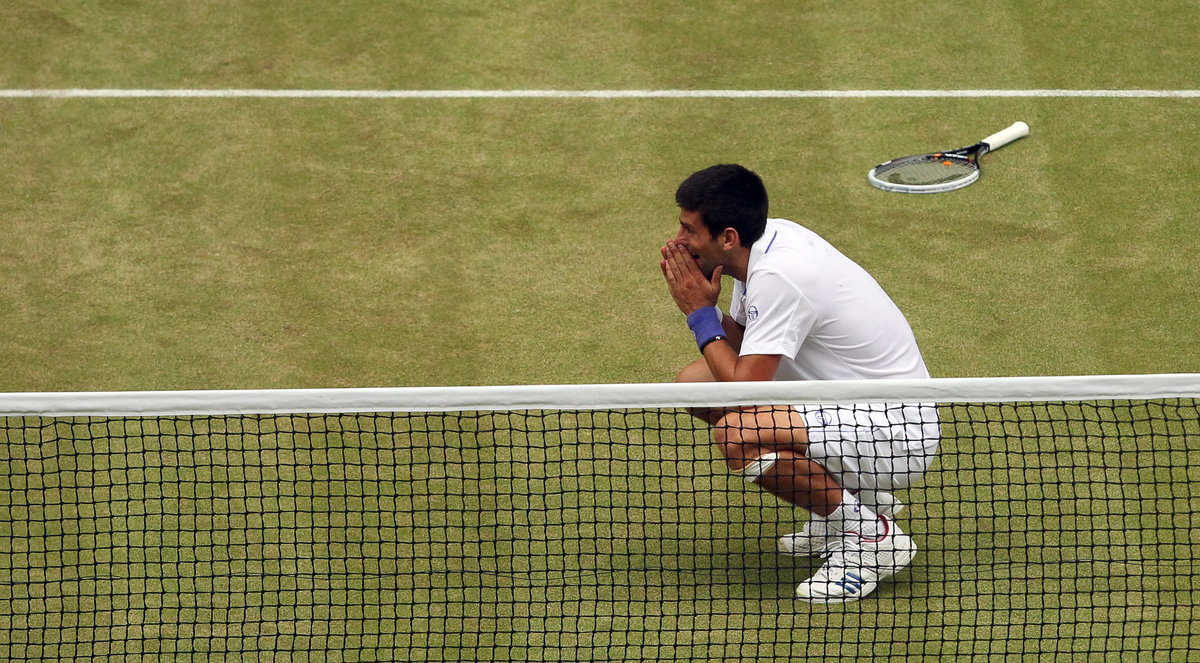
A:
[1006,136]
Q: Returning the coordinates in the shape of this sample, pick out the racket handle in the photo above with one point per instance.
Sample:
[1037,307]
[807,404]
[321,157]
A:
[1006,136]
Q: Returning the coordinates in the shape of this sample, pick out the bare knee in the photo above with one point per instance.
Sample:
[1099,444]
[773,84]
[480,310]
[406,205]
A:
[743,435]
[738,443]
[697,371]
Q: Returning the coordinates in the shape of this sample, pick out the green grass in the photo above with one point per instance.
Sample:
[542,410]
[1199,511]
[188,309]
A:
[604,44]
[322,243]
[180,244]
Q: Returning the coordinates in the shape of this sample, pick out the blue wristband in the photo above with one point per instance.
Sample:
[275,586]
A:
[705,323]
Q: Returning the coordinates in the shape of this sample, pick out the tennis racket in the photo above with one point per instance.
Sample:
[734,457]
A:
[938,172]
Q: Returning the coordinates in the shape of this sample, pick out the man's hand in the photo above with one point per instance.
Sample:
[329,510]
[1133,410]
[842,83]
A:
[688,285]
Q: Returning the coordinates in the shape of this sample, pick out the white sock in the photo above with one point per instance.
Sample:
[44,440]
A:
[852,517]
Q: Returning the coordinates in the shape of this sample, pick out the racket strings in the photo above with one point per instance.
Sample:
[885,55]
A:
[927,169]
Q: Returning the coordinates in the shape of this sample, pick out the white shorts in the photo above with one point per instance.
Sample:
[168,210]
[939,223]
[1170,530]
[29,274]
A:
[873,446]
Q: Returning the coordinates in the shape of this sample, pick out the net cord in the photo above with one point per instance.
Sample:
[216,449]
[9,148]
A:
[596,396]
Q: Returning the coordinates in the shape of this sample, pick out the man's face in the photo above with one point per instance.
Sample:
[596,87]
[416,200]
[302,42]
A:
[694,235]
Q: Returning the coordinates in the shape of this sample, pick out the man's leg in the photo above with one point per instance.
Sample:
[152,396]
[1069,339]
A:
[748,434]
[796,479]
[767,446]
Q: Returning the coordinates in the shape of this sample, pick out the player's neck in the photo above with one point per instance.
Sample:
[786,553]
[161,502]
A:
[739,263]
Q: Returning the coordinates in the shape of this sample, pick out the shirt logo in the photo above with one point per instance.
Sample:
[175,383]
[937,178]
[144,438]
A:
[822,418]
[752,313]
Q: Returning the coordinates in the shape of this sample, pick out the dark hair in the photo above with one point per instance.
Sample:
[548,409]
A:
[726,196]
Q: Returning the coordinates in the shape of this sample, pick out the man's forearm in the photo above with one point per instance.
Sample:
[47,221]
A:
[733,332]
[722,359]
[726,365]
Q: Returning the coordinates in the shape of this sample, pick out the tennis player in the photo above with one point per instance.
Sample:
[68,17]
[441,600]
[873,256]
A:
[801,310]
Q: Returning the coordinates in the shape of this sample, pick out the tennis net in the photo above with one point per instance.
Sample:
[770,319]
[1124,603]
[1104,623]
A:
[582,523]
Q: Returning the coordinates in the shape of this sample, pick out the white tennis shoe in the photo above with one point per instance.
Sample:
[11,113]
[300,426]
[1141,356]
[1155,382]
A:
[856,566]
[818,538]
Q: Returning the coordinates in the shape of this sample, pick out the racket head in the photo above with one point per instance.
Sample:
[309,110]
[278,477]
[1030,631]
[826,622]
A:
[935,172]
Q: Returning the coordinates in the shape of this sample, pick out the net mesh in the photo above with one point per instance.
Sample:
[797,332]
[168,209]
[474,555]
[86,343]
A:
[1051,530]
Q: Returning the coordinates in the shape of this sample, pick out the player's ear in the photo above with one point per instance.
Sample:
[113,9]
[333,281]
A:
[729,239]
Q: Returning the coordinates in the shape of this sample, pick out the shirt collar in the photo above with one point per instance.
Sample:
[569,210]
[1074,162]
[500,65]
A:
[762,245]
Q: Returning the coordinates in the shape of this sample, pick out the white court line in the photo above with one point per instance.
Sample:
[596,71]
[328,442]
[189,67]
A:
[581,94]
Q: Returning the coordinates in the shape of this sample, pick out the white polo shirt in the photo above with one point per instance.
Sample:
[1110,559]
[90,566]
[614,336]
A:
[826,315]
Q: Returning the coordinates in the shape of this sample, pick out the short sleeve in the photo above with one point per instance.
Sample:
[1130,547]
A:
[778,317]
